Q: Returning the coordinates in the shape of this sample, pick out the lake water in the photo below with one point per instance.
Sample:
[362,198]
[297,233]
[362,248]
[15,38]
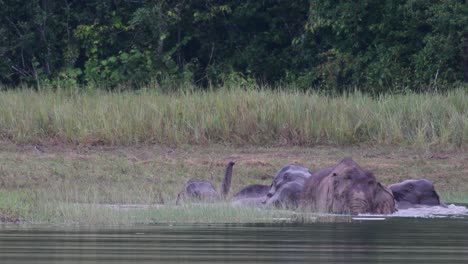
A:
[390,240]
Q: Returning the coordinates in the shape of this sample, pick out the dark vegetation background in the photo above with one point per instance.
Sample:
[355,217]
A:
[375,45]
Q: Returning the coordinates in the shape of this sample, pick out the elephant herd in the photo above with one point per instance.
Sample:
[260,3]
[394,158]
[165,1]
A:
[344,188]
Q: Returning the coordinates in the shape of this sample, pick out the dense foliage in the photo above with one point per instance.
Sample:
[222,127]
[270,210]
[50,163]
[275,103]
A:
[376,45]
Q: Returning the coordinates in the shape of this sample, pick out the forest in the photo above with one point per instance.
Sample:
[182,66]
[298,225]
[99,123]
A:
[372,45]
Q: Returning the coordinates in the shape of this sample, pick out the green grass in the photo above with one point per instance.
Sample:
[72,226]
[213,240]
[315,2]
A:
[235,116]
[94,214]
[41,208]
[70,184]
[455,197]
[140,147]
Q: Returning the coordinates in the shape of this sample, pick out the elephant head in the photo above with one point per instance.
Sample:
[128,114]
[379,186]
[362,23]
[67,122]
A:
[346,188]
[287,185]
[201,190]
[288,173]
[287,195]
[415,192]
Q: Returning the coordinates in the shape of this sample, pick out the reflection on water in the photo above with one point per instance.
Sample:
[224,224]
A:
[394,240]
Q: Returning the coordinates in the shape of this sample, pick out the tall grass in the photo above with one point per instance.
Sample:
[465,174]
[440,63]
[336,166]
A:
[237,116]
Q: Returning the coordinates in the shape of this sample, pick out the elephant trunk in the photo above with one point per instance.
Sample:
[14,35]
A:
[432,199]
[227,179]
[359,203]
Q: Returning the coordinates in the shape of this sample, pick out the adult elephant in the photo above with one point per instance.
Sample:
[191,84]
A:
[415,192]
[346,188]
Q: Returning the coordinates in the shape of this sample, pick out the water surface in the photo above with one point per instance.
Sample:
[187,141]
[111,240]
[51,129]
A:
[393,240]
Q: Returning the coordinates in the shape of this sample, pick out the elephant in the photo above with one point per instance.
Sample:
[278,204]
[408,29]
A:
[283,192]
[286,188]
[286,196]
[204,190]
[346,188]
[415,192]
[252,191]
[251,195]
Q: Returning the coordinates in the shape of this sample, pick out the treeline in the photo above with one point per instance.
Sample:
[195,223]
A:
[376,45]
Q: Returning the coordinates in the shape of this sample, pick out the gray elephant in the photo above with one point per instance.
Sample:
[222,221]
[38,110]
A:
[346,188]
[203,190]
[286,188]
[251,195]
[414,193]
[283,192]
[252,191]
[286,196]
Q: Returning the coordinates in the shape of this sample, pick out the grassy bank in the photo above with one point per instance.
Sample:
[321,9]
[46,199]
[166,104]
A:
[236,116]
[140,147]
[70,184]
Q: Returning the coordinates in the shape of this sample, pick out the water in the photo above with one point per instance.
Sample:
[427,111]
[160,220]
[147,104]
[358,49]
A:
[382,240]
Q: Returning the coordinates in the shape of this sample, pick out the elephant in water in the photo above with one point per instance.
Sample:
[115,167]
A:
[283,192]
[251,195]
[252,191]
[204,190]
[287,186]
[287,196]
[346,188]
[412,193]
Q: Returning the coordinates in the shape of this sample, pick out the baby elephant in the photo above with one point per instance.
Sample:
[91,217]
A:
[204,190]
[286,188]
[252,195]
[284,191]
[415,192]
[287,195]
[252,191]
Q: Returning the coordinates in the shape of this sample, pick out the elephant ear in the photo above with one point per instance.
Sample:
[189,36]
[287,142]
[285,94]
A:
[318,194]
[384,203]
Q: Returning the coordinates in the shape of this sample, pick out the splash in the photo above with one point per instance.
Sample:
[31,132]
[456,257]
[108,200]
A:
[451,211]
